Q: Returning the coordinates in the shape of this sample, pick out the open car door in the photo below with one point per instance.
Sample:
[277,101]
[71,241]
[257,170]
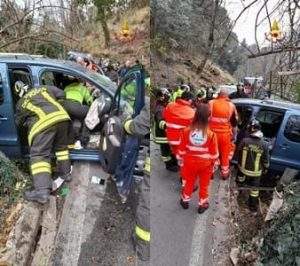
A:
[127,103]
[9,139]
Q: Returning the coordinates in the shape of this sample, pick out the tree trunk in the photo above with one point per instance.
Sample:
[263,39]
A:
[102,19]
[210,45]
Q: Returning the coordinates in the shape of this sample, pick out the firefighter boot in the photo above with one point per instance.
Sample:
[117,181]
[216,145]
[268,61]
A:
[184,204]
[40,196]
[171,166]
[202,208]
[253,203]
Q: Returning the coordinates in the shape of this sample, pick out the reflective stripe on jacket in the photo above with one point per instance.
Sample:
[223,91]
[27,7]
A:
[159,134]
[222,113]
[177,115]
[40,110]
[196,144]
[253,156]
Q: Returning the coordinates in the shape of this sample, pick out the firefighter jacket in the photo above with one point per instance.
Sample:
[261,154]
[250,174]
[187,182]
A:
[223,115]
[177,115]
[253,156]
[38,110]
[195,144]
[159,124]
[79,93]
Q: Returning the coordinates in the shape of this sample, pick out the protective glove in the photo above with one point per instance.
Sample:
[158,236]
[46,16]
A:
[96,93]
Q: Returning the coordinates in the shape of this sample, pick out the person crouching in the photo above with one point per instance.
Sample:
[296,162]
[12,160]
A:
[198,150]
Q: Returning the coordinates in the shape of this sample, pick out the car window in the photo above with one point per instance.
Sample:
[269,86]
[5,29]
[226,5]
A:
[126,98]
[269,117]
[20,74]
[244,115]
[1,91]
[48,78]
[292,128]
[270,121]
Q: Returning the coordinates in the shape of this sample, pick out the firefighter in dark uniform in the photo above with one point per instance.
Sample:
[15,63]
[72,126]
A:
[140,126]
[162,99]
[253,161]
[47,122]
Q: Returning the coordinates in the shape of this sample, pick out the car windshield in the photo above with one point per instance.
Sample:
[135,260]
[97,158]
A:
[102,80]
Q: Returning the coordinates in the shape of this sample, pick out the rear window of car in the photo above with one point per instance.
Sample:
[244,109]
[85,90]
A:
[292,128]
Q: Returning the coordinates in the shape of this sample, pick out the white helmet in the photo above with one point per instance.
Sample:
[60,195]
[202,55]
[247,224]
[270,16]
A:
[20,88]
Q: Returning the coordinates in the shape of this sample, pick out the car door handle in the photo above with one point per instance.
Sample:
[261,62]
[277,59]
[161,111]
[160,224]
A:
[3,118]
[284,146]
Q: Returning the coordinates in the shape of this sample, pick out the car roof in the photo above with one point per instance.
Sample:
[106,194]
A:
[102,80]
[268,103]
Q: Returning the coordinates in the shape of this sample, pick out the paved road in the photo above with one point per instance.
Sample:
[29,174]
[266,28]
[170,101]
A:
[95,227]
[181,237]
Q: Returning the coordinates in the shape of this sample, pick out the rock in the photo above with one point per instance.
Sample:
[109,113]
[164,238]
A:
[22,237]
[234,253]
[45,245]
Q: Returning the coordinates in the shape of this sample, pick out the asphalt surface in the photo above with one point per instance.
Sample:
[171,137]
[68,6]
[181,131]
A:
[95,227]
[110,240]
[178,236]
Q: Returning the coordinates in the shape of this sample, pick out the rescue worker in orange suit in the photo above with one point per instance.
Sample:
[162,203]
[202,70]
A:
[178,115]
[223,122]
[159,134]
[198,150]
[47,122]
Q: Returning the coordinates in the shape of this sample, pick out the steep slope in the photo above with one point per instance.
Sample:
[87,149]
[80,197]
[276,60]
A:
[169,68]
[138,48]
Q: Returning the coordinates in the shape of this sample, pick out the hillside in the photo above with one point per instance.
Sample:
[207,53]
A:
[167,69]
[138,48]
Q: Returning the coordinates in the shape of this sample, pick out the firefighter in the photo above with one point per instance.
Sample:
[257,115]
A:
[198,149]
[140,126]
[47,122]
[77,104]
[178,115]
[176,93]
[253,161]
[160,138]
[223,122]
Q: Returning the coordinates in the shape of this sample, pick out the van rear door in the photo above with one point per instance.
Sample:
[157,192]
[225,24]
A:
[9,140]
[286,152]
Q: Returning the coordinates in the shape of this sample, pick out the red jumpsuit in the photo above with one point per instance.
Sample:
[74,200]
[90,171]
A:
[199,153]
[178,115]
[223,115]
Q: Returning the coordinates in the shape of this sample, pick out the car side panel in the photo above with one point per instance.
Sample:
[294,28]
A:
[286,153]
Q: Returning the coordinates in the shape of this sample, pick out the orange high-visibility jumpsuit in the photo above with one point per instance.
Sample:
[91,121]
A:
[178,115]
[223,116]
[199,152]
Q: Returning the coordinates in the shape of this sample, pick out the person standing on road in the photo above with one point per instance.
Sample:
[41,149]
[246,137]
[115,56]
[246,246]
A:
[47,122]
[253,160]
[162,99]
[223,122]
[140,126]
[178,115]
[240,93]
[198,150]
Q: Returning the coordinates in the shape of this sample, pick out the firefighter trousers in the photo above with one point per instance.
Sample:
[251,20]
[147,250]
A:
[142,227]
[52,139]
[194,168]
[253,181]
[225,148]
[165,152]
